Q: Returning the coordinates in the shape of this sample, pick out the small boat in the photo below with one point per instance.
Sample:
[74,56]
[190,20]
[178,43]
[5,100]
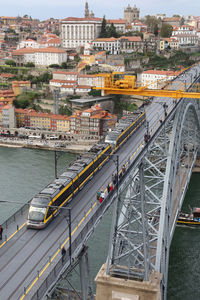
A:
[190,219]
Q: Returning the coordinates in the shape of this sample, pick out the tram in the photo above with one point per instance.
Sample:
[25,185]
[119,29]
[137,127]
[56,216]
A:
[46,204]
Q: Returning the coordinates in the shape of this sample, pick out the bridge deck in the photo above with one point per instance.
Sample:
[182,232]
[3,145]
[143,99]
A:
[29,256]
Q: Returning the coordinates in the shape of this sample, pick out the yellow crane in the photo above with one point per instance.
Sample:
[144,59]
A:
[118,83]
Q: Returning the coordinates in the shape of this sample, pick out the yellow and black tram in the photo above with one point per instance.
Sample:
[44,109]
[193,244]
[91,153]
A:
[45,205]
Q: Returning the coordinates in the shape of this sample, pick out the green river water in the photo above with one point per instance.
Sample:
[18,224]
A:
[24,172]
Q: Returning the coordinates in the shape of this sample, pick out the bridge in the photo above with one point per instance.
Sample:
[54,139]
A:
[147,198]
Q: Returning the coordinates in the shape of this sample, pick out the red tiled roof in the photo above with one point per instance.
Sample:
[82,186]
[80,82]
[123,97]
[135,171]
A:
[66,73]
[160,72]
[81,19]
[86,76]
[64,81]
[36,50]
[54,41]
[112,39]
[67,86]
[7,75]
[131,38]
[116,21]
[83,87]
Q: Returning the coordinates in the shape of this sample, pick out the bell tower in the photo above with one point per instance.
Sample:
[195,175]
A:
[87,13]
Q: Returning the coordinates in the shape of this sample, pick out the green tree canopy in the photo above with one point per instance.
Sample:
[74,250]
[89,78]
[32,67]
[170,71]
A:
[151,22]
[166,30]
[30,65]
[10,62]
[55,66]
[103,32]
[25,100]
[64,65]
[111,31]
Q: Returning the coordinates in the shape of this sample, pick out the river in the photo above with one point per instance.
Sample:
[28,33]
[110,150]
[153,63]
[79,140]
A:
[24,172]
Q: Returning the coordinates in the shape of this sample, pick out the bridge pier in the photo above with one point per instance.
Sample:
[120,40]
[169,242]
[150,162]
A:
[115,288]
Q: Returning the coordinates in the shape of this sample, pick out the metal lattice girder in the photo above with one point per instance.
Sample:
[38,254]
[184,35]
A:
[148,207]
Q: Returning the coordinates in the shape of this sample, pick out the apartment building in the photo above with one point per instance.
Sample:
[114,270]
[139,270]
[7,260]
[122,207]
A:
[40,56]
[138,26]
[131,44]
[166,43]
[29,43]
[20,86]
[8,117]
[117,45]
[185,35]
[92,121]
[111,45]
[156,79]
[6,97]
[74,83]
[33,119]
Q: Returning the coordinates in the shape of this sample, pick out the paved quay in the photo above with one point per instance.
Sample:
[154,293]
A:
[79,147]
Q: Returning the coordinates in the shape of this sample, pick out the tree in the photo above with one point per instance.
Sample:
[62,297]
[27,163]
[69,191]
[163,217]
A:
[30,65]
[176,16]
[10,62]
[64,110]
[25,100]
[87,67]
[166,30]
[45,77]
[111,31]
[156,29]
[95,93]
[64,65]
[151,22]
[55,66]
[103,32]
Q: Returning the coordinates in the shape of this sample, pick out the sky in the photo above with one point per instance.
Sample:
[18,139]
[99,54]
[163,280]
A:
[59,9]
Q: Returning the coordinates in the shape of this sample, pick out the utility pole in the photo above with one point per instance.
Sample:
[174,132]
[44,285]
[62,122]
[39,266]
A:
[56,99]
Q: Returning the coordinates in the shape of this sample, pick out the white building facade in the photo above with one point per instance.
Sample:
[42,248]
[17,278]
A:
[40,56]
[185,35]
[156,79]
[112,45]
[76,32]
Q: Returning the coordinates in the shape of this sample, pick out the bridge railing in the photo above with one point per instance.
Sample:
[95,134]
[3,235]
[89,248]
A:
[59,265]
[13,218]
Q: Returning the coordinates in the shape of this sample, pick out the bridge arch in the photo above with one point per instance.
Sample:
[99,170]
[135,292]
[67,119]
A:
[183,149]
[154,192]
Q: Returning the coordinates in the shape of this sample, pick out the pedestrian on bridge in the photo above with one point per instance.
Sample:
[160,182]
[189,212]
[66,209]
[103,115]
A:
[1,232]
[63,253]
[98,195]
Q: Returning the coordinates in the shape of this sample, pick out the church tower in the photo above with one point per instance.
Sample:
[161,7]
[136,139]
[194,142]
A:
[87,13]
[131,13]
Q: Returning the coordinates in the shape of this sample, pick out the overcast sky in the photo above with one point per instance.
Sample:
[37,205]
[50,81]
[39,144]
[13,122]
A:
[44,9]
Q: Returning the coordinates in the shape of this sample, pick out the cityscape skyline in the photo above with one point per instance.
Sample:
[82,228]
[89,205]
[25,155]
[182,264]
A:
[62,9]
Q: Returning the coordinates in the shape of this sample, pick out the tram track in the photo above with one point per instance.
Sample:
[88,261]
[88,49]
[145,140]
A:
[30,254]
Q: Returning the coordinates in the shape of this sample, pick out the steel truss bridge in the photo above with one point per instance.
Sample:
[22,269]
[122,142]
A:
[148,198]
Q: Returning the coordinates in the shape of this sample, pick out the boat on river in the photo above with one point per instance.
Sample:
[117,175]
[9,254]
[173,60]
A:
[190,219]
